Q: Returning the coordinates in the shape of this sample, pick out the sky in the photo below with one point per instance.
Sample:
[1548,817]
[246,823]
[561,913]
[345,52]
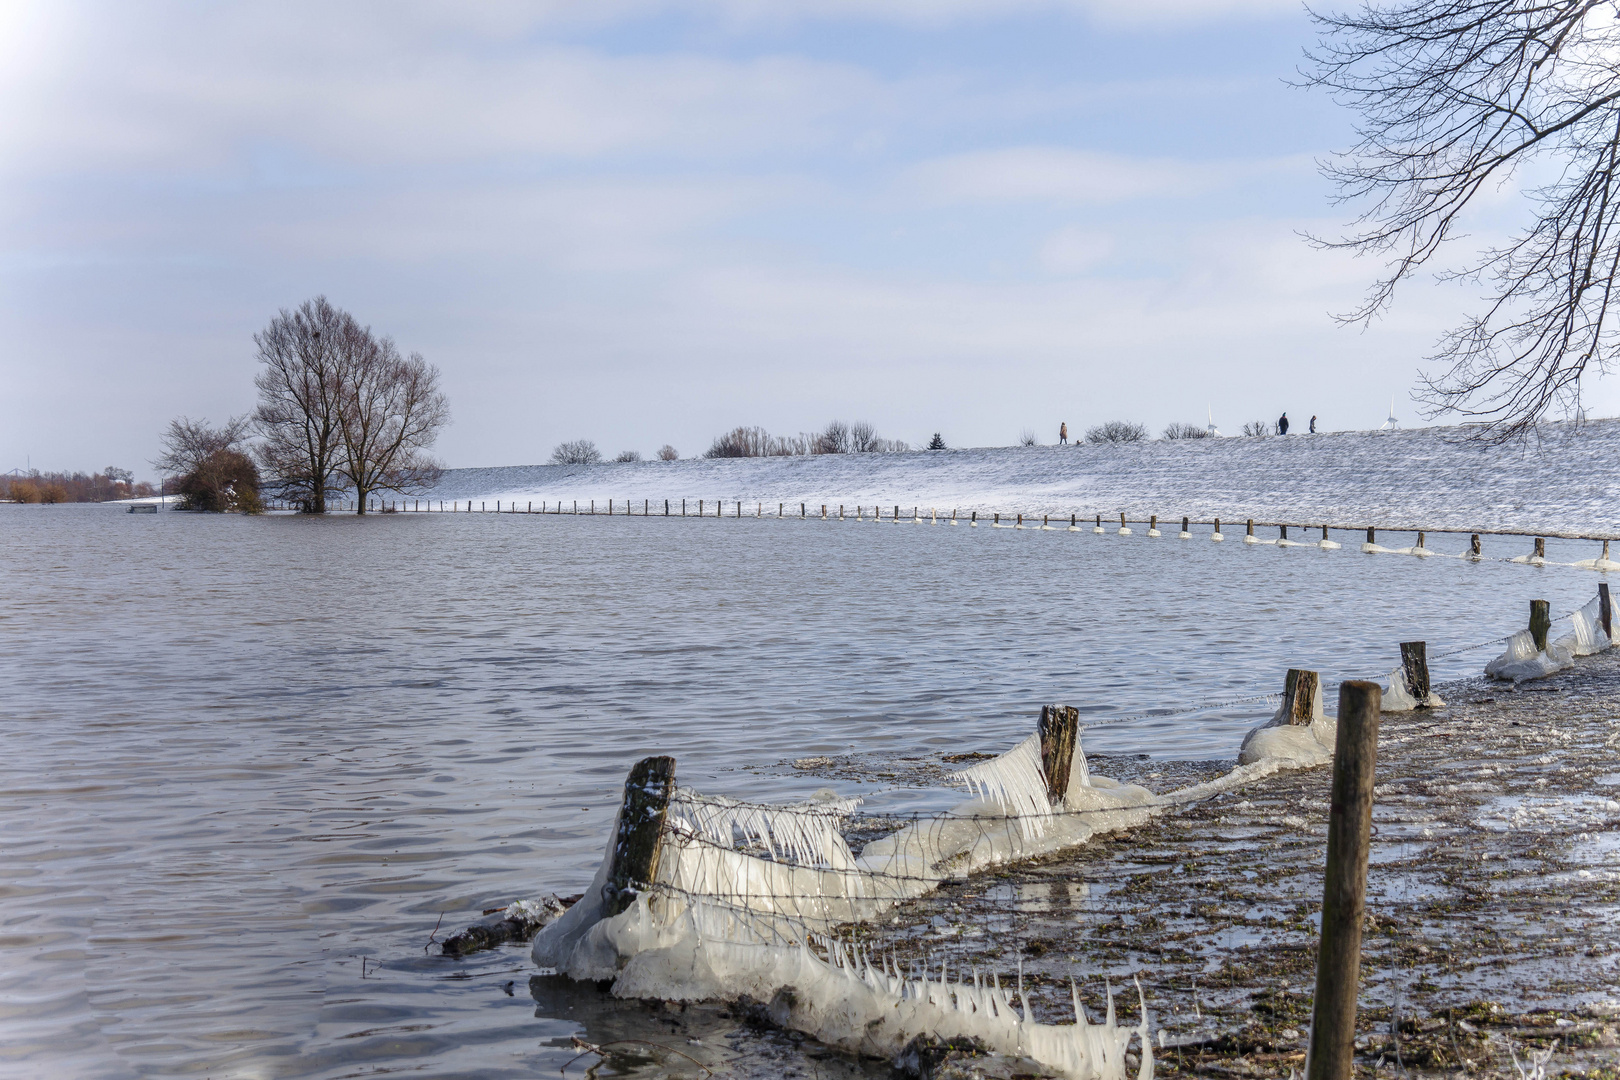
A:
[642,223]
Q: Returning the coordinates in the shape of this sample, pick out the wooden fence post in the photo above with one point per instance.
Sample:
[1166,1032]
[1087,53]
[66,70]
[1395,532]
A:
[1251,528]
[1344,887]
[1415,668]
[1020,522]
[1299,697]
[641,828]
[974,519]
[1216,535]
[1473,545]
[1541,548]
[1540,623]
[1370,535]
[801,510]
[1282,532]
[1059,729]
[1605,609]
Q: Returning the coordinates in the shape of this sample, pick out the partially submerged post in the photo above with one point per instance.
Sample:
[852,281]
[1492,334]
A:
[1059,729]
[641,827]
[1540,623]
[1415,668]
[1299,697]
[1371,535]
[1605,609]
[1344,885]
[1473,545]
[1541,548]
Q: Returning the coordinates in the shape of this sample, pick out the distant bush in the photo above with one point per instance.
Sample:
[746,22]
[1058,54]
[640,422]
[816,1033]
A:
[668,453]
[1027,438]
[1185,431]
[1117,431]
[628,456]
[38,487]
[1257,429]
[741,442]
[937,442]
[577,452]
[834,439]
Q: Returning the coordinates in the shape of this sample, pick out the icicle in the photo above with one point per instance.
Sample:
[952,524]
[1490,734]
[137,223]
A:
[1110,988]
[1014,782]
[1022,999]
[1080,1016]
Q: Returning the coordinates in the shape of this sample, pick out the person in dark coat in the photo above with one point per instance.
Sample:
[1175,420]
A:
[1282,425]
[1313,425]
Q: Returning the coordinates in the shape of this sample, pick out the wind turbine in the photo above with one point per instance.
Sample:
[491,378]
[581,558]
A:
[1391,424]
[1211,431]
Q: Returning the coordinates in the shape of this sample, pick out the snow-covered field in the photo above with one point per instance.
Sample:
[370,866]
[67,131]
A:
[1429,478]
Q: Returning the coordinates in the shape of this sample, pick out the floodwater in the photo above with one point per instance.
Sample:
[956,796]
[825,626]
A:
[253,763]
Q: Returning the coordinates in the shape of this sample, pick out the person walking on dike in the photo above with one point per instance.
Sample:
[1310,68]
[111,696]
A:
[1063,433]
[1282,425]
[1313,424]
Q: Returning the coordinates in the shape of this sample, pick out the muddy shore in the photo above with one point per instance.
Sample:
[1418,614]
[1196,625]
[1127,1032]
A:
[1492,934]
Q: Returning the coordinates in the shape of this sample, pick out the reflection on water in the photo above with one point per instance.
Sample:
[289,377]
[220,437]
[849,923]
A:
[247,757]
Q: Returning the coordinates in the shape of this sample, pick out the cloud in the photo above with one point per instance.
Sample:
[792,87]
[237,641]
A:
[1059,175]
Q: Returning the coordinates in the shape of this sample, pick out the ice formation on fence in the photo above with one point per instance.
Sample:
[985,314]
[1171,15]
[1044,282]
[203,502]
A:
[1522,661]
[1398,696]
[747,900]
[719,921]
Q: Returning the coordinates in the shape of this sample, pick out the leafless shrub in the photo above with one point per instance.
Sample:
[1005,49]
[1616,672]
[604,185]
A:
[1117,431]
[834,439]
[1257,429]
[1185,431]
[111,483]
[626,456]
[215,474]
[668,453]
[741,442]
[577,452]
[863,438]
[1027,438]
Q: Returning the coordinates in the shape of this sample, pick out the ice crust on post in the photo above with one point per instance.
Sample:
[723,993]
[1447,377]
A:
[1521,661]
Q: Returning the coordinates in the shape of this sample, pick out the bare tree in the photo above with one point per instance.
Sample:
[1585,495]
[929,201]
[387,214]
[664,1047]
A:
[1258,429]
[668,453]
[576,452]
[626,456]
[391,412]
[1185,431]
[863,437]
[1027,437]
[1455,97]
[301,391]
[1117,431]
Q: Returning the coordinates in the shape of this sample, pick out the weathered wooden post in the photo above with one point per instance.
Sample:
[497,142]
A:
[1540,623]
[974,519]
[1153,524]
[1344,887]
[1299,697]
[780,507]
[1473,545]
[840,511]
[801,510]
[1059,730]
[1074,520]
[1541,548]
[1216,535]
[1605,557]
[1282,532]
[823,511]
[1370,535]
[1251,528]
[1415,669]
[1605,609]
[1020,521]
[641,829]
[1324,532]
[666,508]
[1046,521]
[997,521]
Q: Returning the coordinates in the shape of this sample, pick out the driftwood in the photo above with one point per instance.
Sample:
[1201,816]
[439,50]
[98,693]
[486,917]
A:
[521,926]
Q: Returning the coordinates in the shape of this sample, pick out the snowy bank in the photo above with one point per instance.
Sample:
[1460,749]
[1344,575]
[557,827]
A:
[1426,478]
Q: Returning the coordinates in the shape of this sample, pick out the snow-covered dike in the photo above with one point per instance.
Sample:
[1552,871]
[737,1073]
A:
[1429,478]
